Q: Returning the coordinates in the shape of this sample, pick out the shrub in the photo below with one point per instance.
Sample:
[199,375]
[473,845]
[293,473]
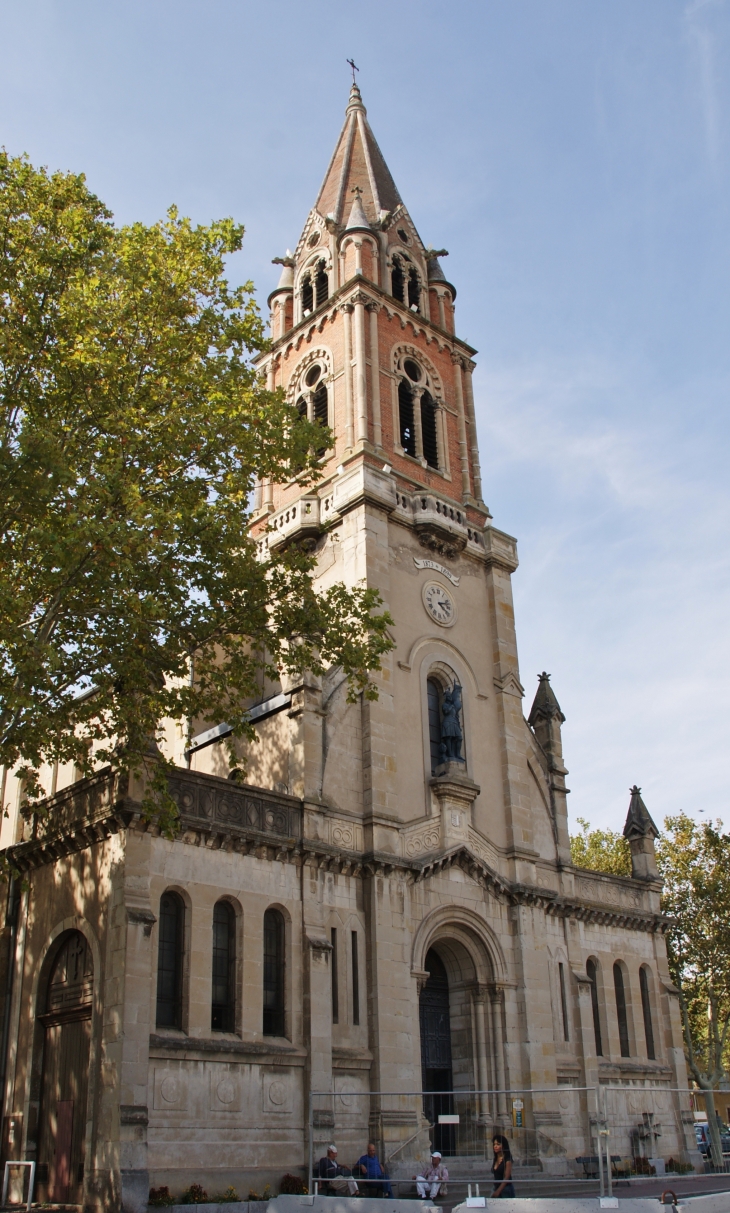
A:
[225,1198]
[679,1168]
[642,1166]
[292,1185]
[160,1197]
[195,1195]
[252,1195]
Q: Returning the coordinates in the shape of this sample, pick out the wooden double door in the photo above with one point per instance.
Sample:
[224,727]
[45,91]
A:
[65,1077]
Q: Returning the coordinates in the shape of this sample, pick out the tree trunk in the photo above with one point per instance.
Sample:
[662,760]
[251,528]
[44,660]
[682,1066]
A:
[714,1153]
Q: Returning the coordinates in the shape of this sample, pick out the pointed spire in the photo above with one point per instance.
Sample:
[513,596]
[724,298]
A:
[358,218]
[357,161]
[638,821]
[545,706]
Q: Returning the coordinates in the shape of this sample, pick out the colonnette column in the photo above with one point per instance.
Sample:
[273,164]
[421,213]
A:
[476,469]
[361,408]
[268,485]
[463,448]
[373,308]
[347,310]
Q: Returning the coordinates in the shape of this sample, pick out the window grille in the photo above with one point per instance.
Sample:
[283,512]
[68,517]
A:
[623,1022]
[273,973]
[592,974]
[563,1000]
[335,982]
[223,1003]
[170,961]
[646,1008]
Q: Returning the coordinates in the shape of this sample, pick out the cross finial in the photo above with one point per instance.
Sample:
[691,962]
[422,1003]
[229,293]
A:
[357,189]
[354,67]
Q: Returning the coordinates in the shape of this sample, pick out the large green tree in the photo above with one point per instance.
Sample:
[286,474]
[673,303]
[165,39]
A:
[134,428]
[694,862]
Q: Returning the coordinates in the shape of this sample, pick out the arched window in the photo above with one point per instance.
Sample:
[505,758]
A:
[623,1021]
[321,285]
[398,280]
[646,1008]
[428,430]
[407,426]
[223,998]
[414,289]
[433,691]
[274,961]
[170,961]
[592,974]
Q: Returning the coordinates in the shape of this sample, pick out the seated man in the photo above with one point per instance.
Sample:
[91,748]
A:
[337,1180]
[433,1178]
[368,1165]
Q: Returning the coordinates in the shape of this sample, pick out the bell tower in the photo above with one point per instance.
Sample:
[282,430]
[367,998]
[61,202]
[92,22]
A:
[364,339]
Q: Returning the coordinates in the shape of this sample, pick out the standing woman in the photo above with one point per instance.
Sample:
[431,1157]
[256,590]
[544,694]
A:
[502,1167]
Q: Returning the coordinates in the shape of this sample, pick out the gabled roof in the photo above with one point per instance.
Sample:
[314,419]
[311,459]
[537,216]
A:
[638,822]
[357,161]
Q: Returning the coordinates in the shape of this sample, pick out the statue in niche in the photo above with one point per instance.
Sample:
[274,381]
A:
[451,732]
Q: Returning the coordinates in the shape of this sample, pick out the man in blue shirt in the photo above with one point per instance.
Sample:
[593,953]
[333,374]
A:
[368,1166]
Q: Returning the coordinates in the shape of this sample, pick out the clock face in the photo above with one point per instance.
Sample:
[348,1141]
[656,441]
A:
[439,604]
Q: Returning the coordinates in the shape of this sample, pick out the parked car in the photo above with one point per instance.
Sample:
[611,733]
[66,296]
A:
[702,1133]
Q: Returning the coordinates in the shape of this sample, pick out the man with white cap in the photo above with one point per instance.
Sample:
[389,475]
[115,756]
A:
[336,1179]
[433,1179]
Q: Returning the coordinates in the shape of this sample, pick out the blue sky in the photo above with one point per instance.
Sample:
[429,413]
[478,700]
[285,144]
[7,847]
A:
[573,157]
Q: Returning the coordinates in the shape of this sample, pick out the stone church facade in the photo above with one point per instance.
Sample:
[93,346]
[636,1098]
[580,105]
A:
[387,904]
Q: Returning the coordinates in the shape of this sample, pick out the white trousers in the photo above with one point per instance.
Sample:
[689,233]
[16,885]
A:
[427,1189]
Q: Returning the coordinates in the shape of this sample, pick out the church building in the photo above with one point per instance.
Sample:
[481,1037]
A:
[387,904]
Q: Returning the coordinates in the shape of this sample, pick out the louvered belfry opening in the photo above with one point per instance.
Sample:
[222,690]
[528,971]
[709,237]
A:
[307,295]
[414,289]
[407,427]
[321,285]
[320,405]
[64,1083]
[398,280]
[428,430]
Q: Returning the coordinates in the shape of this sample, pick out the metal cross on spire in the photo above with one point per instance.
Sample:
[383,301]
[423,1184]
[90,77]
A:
[354,67]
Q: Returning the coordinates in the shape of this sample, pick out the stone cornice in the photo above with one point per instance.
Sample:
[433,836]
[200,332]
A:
[218,815]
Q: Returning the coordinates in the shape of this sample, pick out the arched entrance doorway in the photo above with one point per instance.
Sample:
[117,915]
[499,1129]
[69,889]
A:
[436,1058]
[66,1020]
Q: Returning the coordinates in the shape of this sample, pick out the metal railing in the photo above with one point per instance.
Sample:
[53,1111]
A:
[562,1139]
